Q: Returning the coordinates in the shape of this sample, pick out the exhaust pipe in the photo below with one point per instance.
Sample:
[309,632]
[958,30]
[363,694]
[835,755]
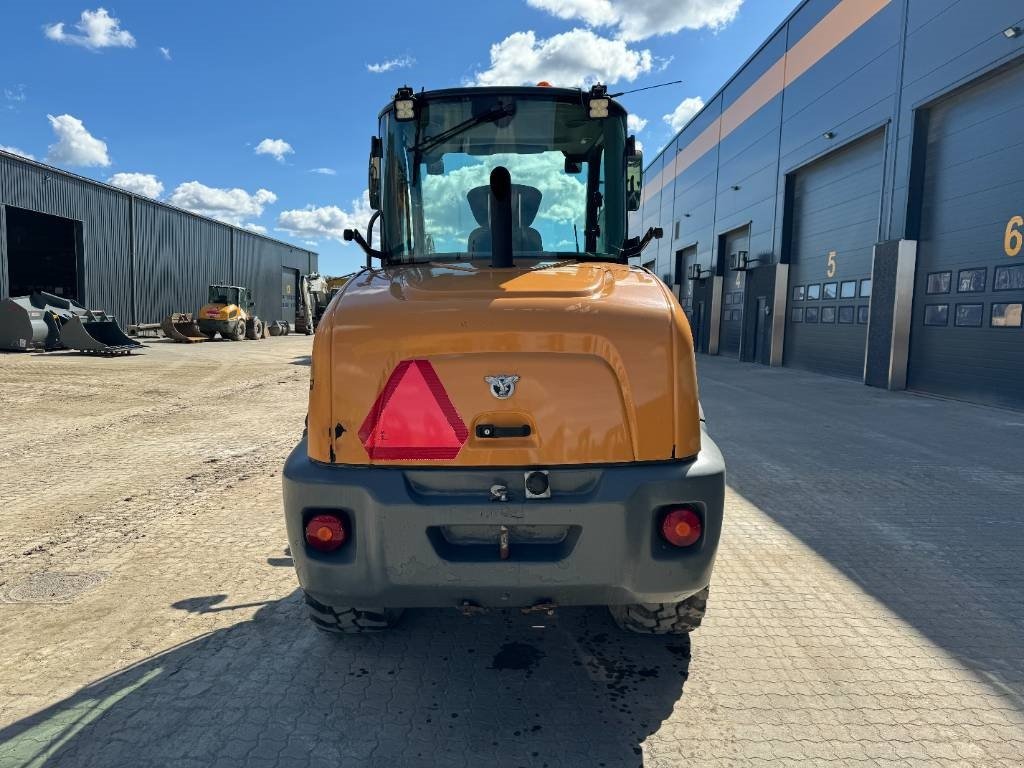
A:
[501,218]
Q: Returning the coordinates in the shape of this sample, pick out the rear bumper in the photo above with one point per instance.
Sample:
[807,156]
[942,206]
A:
[419,536]
[209,325]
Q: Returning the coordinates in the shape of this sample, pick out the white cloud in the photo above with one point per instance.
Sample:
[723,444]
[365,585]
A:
[684,112]
[75,145]
[16,151]
[96,29]
[229,205]
[574,58]
[327,220]
[639,145]
[635,123]
[15,94]
[640,19]
[324,171]
[257,228]
[276,148]
[165,52]
[401,62]
[140,183]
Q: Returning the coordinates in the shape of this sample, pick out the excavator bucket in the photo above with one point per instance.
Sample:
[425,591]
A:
[45,321]
[24,327]
[96,333]
[181,326]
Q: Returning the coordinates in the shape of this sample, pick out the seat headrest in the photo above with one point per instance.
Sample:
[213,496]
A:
[527,198]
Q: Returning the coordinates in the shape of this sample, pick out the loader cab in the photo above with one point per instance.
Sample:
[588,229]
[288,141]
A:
[572,175]
[230,294]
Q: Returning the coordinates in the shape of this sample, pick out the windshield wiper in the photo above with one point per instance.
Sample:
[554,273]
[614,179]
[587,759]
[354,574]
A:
[502,110]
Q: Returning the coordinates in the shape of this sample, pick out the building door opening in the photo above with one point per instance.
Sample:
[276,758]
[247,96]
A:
[289,290]
[43,254]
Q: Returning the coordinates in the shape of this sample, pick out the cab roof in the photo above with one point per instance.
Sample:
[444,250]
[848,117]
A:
[573,95]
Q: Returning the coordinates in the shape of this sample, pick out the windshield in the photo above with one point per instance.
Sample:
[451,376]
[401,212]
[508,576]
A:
[567,174]
[222,294]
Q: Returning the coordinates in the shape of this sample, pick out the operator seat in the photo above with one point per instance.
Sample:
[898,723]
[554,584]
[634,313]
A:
[525,204]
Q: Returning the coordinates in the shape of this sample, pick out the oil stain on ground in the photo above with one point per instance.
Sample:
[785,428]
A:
[518,656]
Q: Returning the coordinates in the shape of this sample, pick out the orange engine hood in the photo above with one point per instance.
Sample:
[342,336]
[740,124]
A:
[602,352]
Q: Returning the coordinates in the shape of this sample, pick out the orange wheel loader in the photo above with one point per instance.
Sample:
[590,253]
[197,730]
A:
[503,411]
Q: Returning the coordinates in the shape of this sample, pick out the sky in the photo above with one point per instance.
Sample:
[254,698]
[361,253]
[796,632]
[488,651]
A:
[260,113]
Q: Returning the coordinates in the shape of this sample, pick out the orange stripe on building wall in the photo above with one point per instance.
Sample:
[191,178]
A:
[837,25]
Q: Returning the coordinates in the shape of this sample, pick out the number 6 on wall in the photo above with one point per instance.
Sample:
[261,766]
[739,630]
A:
[1013,239]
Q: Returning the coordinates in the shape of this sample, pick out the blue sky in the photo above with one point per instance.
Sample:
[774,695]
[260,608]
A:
[260,113]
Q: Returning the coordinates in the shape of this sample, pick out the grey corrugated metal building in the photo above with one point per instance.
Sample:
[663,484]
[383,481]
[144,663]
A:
[852,200]
[133,257]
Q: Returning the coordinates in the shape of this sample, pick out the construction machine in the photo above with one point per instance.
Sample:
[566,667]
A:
[312,300]
[315,293]
[503,410]
[229,311]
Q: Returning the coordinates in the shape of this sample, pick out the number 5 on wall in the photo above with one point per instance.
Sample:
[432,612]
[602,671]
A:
[1013,238]
[830,270]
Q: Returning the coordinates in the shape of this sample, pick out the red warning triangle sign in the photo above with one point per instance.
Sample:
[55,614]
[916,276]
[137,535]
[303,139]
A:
[413,417]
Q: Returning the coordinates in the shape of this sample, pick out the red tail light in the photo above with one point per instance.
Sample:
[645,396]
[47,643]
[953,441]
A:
[413,417]
[681,526]
[325,533]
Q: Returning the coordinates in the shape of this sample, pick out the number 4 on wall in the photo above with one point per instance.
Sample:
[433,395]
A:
[1013,238]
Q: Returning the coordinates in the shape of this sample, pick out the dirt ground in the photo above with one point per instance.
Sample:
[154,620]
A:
[131,484]
[150,615]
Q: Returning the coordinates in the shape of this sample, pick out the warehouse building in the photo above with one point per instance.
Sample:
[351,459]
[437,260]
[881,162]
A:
[131,256]
[851,202]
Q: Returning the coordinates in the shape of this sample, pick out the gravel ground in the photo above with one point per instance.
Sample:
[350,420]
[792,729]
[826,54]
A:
[150,613]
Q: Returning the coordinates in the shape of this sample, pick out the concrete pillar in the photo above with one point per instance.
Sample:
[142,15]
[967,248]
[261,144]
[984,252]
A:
[715,326]
[779,314]
[902,312]
[887,350]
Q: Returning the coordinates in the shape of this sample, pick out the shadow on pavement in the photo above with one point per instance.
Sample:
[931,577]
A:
[441,689]
[916,500]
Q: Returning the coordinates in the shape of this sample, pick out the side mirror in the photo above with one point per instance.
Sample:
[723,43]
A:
[373,180]
[634,175]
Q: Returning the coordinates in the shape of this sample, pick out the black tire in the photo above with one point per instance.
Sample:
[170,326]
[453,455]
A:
[237,332]
[662,618]
[346,620]
[254,329]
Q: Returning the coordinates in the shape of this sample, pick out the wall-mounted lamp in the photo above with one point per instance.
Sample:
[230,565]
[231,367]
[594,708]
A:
[686,215]
[741,261]
[828,135]
[1011,32]
[735,187]
[696,272]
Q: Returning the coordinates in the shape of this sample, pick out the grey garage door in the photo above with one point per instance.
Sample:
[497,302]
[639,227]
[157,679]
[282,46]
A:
[734,284]
[289,289]
[966,339]
[835,206]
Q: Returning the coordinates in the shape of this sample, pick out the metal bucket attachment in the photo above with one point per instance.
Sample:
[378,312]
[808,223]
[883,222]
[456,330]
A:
[96,333]
[182,327]
[23,327]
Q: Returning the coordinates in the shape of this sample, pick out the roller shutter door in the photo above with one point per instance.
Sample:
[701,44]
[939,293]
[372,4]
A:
[966,338]
[733,288]
[835,226]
